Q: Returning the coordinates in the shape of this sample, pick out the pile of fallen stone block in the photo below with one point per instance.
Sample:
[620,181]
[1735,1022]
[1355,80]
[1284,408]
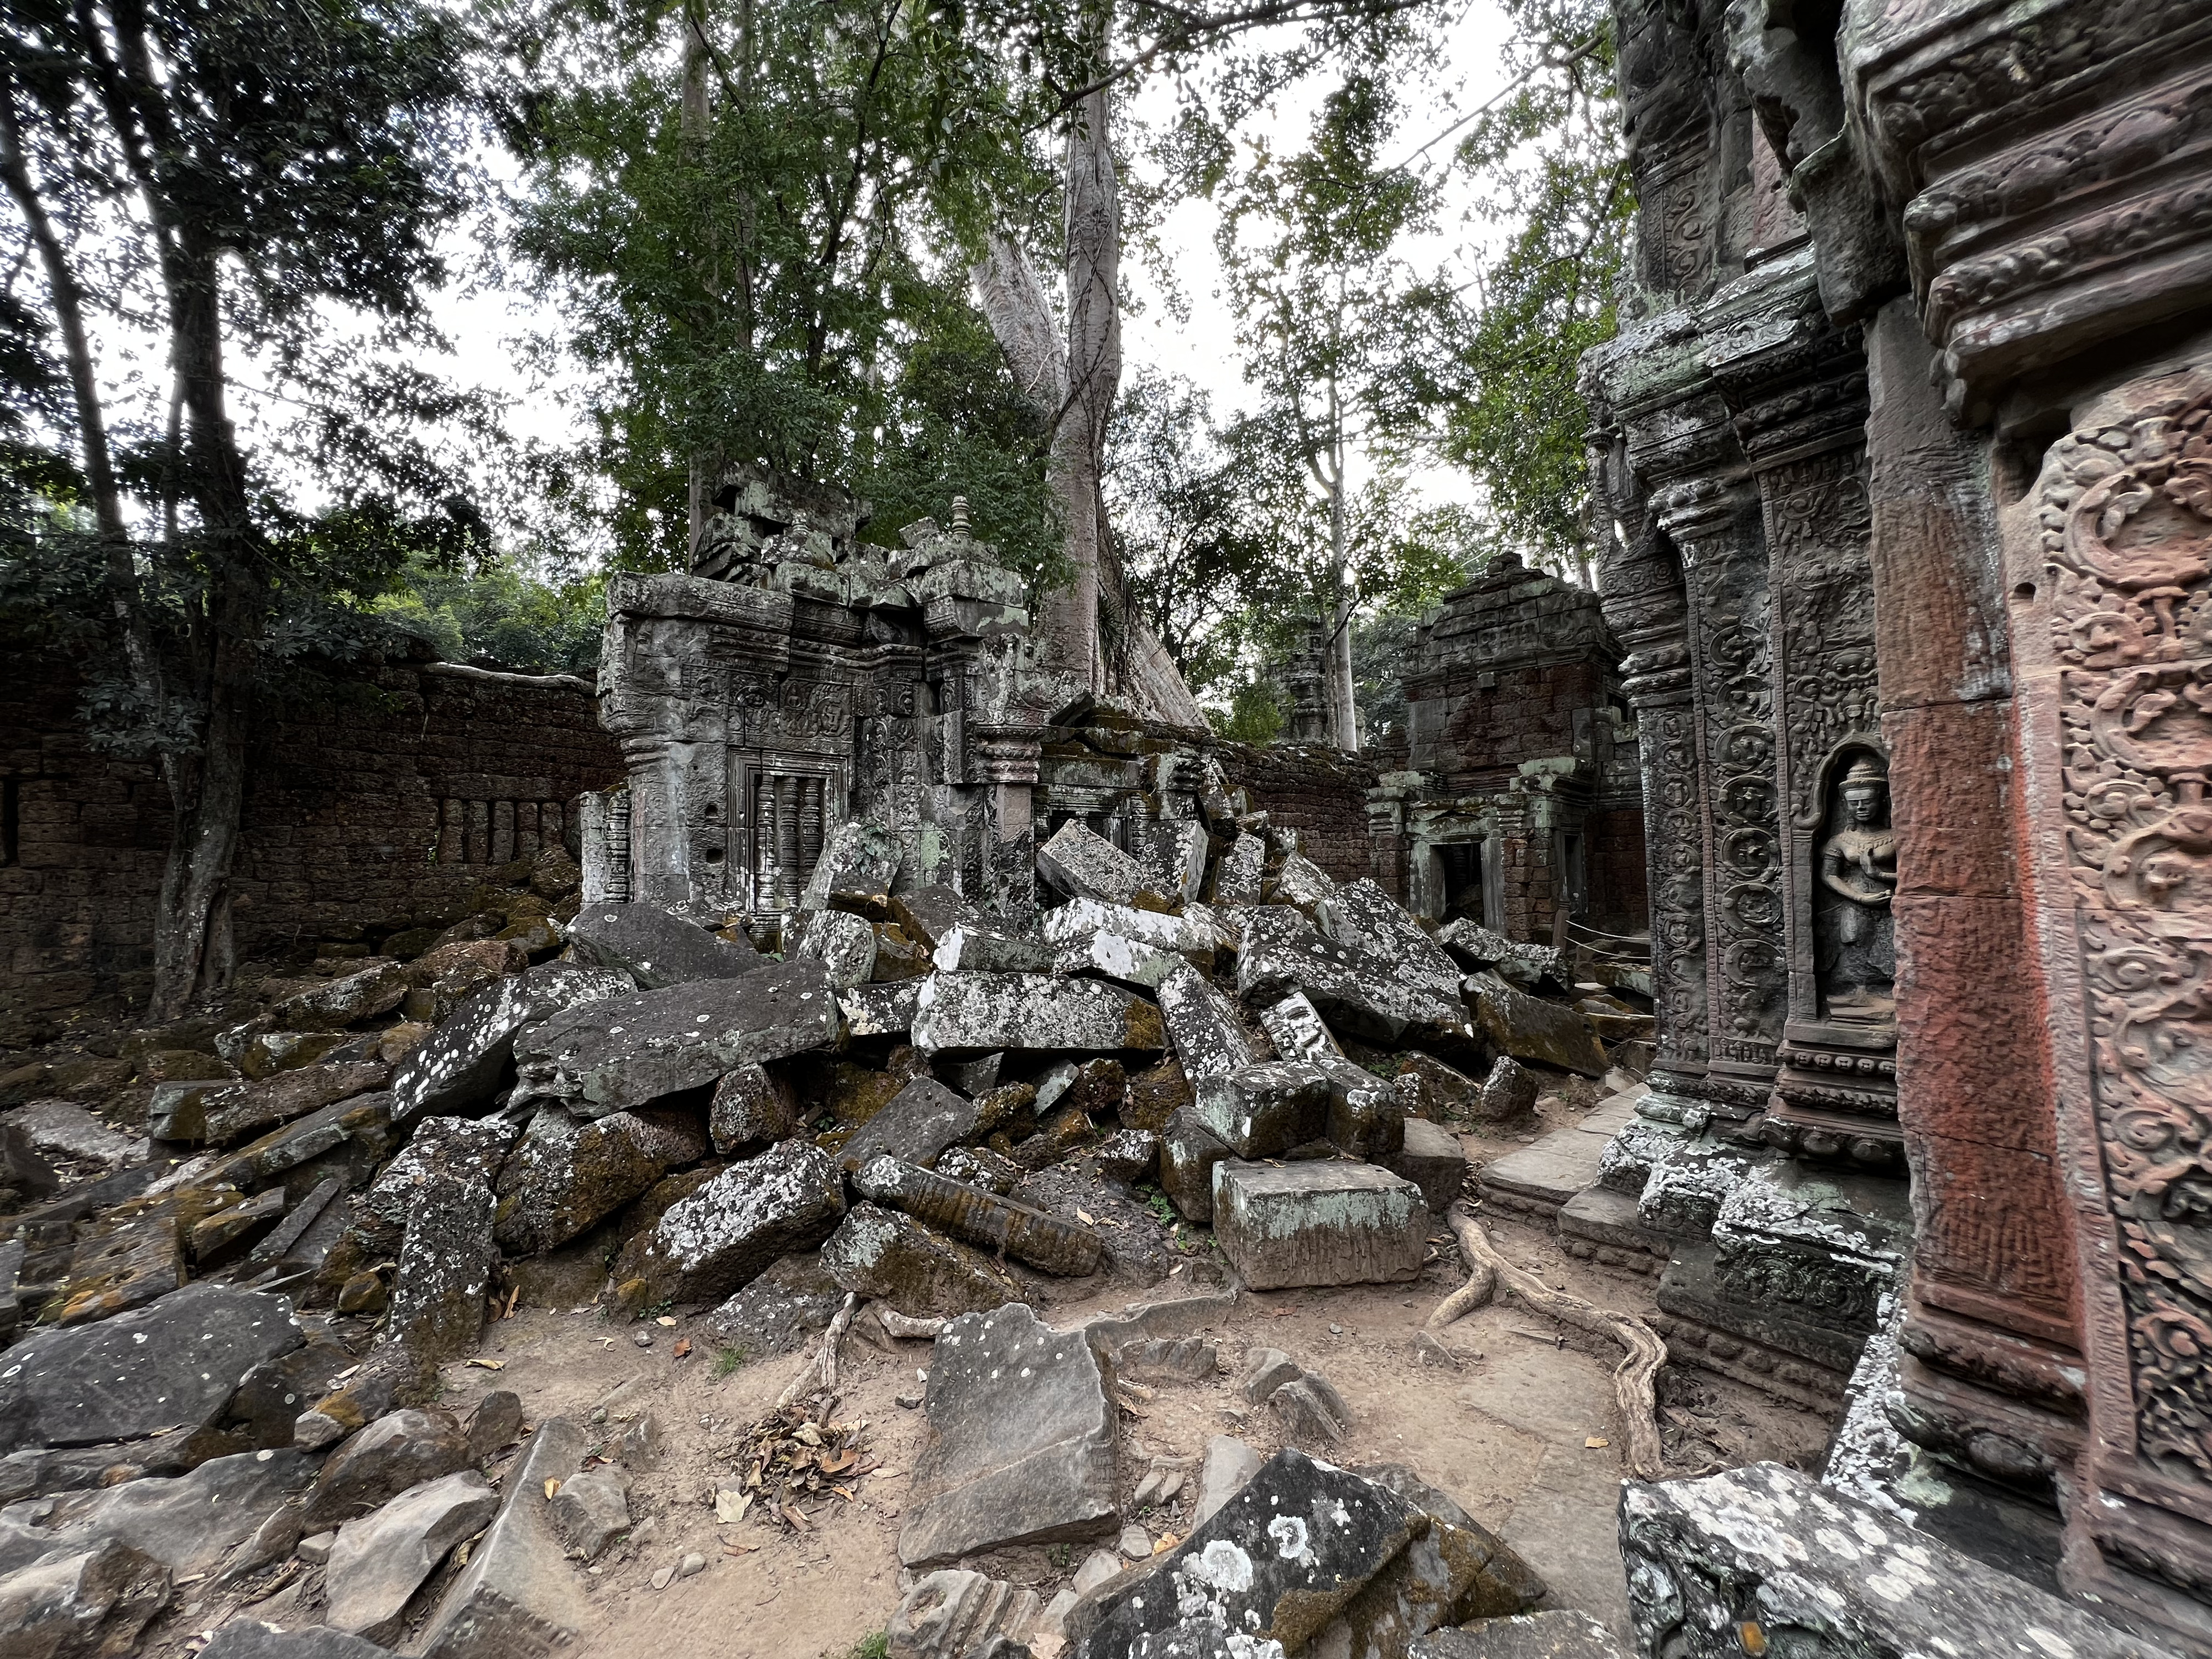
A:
[908,1103]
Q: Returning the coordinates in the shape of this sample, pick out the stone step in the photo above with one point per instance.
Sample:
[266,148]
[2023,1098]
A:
[1604,1224]
[1545,1174]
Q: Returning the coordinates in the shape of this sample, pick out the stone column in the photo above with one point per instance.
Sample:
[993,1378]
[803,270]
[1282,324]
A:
[1008,761]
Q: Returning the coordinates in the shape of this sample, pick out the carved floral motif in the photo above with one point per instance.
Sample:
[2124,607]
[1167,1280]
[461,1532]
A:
[2127,532]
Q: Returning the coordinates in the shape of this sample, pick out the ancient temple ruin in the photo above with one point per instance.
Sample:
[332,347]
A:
[1520,804]
[1909,442]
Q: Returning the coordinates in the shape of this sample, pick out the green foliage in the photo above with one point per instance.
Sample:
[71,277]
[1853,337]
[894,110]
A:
[758,217]
[1256,713]
[729,1360]
[878,1646]
[498,616]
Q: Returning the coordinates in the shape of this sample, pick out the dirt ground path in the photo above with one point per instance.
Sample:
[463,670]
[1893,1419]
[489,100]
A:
[1508,1433]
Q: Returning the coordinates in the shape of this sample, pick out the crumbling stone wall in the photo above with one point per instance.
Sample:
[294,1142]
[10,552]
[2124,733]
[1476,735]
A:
[1320,792]
[381,812]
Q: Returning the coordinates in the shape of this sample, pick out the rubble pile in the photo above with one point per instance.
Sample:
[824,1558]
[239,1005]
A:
[892,1099]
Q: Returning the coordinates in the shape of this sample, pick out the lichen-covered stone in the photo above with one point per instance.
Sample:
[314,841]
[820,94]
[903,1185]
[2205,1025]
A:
[1155,1096]
[631,1051]
[654,947]
[1083,864]
[1528,966]
[973,947]
[979,1013]
[437,1309]
[570,1173]
[1815,1572]
[248,1109]
[882,1010]
[929,912]
[854,870]
[1189,1152]
[1529,1028]
[844,943]
[1559,1633]
[1209,1039]
[470,1148]
[1361,914]
[922,1119]
[1295,1026]
[1111,957]
[779,1311]
[721,1236]
[892,1257]
[1080,917]
[1430,1157]
[1358,993]
[979,1166]
[1263,1110]
[462,1064]
[1129,1155]
[751,1108]
[347,1000]
[1318,1223]
[1173,854]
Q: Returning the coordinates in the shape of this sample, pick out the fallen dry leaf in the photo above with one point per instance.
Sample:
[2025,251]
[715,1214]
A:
[791,1515]
[1085,1217]
[1595,1441]
[666,1319]
[490,1365]
[552,1487]
[681,1349]
[731,1505]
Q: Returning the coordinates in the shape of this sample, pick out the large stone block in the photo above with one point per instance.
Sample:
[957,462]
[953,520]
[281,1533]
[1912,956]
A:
[1361,914]
[437,1308]
[891,1257]
[1083,864]
[631,1051]
[1767,1548]
[518,1598]
[982,1014]
[253,1108]
[972,947]
[1189,1152]
[399,1450]
[922,1119]
[175,1361]
[1079,918]
[1274,1565]
[570,1173]
[1173,854]
[1318,1223]
[1357,992]
[1433,1160]
[844,943]
[1529,1028]
[1263,1110]
[90,1604]
[1021,1441]
[1237,873]
[723,1236]
[655,948]
[462,1064]
[1203,1027]
[855,870]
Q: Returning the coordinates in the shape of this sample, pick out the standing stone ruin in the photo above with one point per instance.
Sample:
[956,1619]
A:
[1908,441]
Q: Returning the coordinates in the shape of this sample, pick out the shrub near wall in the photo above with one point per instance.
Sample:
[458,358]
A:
[380,811]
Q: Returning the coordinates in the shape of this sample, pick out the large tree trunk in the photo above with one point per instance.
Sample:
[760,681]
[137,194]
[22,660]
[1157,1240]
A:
[192,946]
[1094,373]
[694,114]
[1338,695]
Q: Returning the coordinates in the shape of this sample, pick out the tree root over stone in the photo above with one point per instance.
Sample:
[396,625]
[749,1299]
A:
[819,1374]
[1632,1379]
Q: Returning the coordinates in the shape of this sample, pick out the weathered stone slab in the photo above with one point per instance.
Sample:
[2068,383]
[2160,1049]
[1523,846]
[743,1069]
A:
[437,1308]
[252,1109]
[653,947]
[518,1598]
[354,1134]
[1814,1571]
[1079,918]
[346,1000]
[1295,1026]
[570,1173]
[400,1450]
[1208,1038]
[854,870]
[1021,1441]
[1083,864]
[188,1522]
[88,1605]
[1318,1223]
[61,1129]
[249,1638]
[1189,1152]
[1263,1110]
[844,943]
[1366,1115]
[630,1051]
[471,1149]
[973,947]
[462,1064]
[175,1361]
[592,1509]
[751,1108]
[892,1257]
[1173,854]
[1528,966]
[1229,1467]
[1110,956]
[882,1010]
[1433,1160]
[779,1311]
[1238,872]
[951,1614]
[1301,884]
[1561,1633]
[1507,1094]
[1361,914]
[980,1013]
[1357,992]
[922,1119]
[928,913]
[1275,1564]
[727,1233]
[981,1167]
[981,1218]
[1529,1028]
[380,1560]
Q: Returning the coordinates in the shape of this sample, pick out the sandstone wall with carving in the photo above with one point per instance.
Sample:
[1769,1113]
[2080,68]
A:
[380,811]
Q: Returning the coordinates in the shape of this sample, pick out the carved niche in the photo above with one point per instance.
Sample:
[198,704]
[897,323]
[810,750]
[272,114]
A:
[2125,517]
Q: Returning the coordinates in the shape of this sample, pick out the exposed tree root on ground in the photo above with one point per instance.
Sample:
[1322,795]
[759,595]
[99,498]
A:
[819,1374]
[1631,1380]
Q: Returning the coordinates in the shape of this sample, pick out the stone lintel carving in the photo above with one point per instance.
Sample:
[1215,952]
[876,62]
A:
[2050,161]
